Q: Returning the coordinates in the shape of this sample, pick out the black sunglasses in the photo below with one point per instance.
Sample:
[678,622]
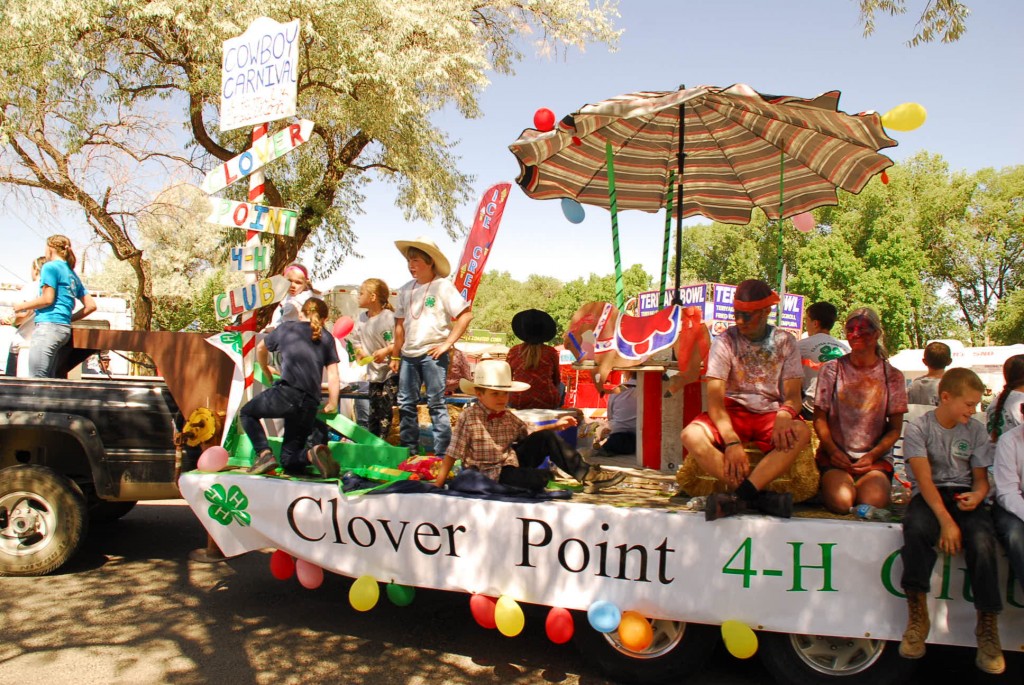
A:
[744,316]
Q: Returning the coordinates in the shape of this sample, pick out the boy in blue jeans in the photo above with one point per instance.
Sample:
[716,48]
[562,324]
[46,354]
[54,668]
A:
[949,455]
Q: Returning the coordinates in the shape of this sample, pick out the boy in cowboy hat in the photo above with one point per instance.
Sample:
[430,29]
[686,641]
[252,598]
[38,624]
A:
[754,395]
[430,315]
[496,442]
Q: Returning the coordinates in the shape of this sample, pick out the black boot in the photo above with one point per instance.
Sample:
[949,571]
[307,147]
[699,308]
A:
[775,504]
[720,505]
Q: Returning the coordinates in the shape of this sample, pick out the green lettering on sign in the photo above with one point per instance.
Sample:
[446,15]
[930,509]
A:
[227,506]
[745,571]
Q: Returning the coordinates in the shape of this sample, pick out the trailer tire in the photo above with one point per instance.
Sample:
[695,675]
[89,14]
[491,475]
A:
[42,520]
[819,660]
[678,651]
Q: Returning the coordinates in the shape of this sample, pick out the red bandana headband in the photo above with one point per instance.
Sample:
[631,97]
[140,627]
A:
[741,306]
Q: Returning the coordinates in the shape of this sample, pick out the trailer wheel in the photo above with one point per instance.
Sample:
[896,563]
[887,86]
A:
[42,520]
[679,649]
[820,660]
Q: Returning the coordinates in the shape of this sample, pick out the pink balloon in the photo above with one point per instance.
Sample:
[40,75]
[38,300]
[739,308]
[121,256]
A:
[310,575]
[544,119]
[342,327]
[804,222]
[213,459]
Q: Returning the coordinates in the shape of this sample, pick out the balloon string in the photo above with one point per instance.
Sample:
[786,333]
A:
[613,206]
[668,238]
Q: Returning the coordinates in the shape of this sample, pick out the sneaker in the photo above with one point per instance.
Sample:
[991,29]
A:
[775,504]
[320,457]
[266,463]
[719,505]
[597,478]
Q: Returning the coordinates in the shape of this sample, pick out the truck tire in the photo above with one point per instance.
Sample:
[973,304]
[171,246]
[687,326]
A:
[42,520]
[108,512]
[820,660]
[678,651]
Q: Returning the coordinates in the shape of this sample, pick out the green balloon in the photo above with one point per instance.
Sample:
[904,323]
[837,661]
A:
[400,595]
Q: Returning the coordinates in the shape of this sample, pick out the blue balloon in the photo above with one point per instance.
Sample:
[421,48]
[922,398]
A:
[573,210]
[604,616]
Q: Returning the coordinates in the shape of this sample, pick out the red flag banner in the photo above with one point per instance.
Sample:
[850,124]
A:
[480,240]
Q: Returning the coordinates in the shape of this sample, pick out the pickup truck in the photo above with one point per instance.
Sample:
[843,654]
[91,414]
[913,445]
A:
[72,451]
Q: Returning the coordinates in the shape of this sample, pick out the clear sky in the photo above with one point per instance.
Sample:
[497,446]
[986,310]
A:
[972,90]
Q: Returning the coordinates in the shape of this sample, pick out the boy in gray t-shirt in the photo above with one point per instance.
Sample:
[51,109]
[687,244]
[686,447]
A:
[949,455]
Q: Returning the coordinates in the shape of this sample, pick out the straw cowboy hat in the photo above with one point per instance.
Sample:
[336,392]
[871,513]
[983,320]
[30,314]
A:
[441,266]
[494,374]
[533,326]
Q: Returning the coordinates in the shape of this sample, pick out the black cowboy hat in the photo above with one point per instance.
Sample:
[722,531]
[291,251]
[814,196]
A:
[533,326]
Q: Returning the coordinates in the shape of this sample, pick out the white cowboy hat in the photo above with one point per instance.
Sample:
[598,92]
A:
[441,266]
[495,374]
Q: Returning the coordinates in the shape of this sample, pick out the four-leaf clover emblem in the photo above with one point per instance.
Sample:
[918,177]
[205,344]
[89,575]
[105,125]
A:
[227,506]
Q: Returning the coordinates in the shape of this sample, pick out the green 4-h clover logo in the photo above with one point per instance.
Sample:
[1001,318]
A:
[829,352]
[388,336]
[430,302]
[228,506]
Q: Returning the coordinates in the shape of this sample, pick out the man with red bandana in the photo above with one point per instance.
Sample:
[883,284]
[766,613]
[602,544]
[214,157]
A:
[754,396]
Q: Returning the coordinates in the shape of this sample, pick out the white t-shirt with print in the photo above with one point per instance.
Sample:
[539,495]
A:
[427,310]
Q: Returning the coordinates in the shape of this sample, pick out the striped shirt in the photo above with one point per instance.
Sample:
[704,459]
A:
[485,444]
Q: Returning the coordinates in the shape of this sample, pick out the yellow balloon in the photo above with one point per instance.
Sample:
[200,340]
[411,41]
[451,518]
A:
[905,117]
[364,593]
[739,639]
[508,616]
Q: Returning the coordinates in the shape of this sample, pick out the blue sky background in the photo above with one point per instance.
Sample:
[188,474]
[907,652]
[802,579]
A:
[971,89]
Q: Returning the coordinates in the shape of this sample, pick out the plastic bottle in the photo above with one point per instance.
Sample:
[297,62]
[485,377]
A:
[870,513]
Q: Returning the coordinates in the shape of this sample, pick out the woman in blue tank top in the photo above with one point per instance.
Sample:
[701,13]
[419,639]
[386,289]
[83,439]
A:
[59,287]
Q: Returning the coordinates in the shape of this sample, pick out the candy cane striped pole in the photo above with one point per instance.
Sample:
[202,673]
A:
[613,207]
[257,188]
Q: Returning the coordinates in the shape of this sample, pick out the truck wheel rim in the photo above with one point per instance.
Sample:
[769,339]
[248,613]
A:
[27,523]
[667,635]
[837,655]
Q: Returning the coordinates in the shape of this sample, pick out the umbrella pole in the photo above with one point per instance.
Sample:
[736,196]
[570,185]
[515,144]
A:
[780,263]
[668,237]
[681,159]
[613,206]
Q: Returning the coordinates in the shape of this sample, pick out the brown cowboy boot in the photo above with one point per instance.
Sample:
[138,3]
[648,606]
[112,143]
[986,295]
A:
[990,652]
[918,625]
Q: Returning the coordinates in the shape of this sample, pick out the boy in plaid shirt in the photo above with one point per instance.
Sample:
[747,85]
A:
[496,442]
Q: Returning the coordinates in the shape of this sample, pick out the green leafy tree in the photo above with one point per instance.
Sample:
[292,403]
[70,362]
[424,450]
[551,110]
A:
[944,20]
[93,95]
[1007,328]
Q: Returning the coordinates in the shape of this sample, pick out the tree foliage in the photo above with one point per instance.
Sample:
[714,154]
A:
[943,20]
[93,95]
[934,252]
[500,297]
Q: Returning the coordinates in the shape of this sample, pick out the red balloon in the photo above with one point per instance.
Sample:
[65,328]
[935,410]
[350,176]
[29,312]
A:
[544,119]
[559,625]
[282,566]
[482,608]
[576,141]
[342,327]
[885,179]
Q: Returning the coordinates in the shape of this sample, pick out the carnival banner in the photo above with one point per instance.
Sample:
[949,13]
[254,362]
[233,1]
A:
[480,240]
[807,576]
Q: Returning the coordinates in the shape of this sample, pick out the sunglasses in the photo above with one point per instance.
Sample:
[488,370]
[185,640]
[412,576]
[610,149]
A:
[860,330]
[745,316]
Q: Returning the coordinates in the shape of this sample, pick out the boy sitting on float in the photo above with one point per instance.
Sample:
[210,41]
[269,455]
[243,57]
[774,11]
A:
[492,440]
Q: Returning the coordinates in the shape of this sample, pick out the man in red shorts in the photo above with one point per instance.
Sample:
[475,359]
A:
[754,396]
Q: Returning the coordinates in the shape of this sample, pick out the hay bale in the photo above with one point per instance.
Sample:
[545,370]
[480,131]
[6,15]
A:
[801,480]
[422,417]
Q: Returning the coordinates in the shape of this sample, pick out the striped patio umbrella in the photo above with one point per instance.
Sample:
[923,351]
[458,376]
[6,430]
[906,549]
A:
[734,144]
[739,149]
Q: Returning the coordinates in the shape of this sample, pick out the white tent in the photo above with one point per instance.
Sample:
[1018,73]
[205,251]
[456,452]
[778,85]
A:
[987,362]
